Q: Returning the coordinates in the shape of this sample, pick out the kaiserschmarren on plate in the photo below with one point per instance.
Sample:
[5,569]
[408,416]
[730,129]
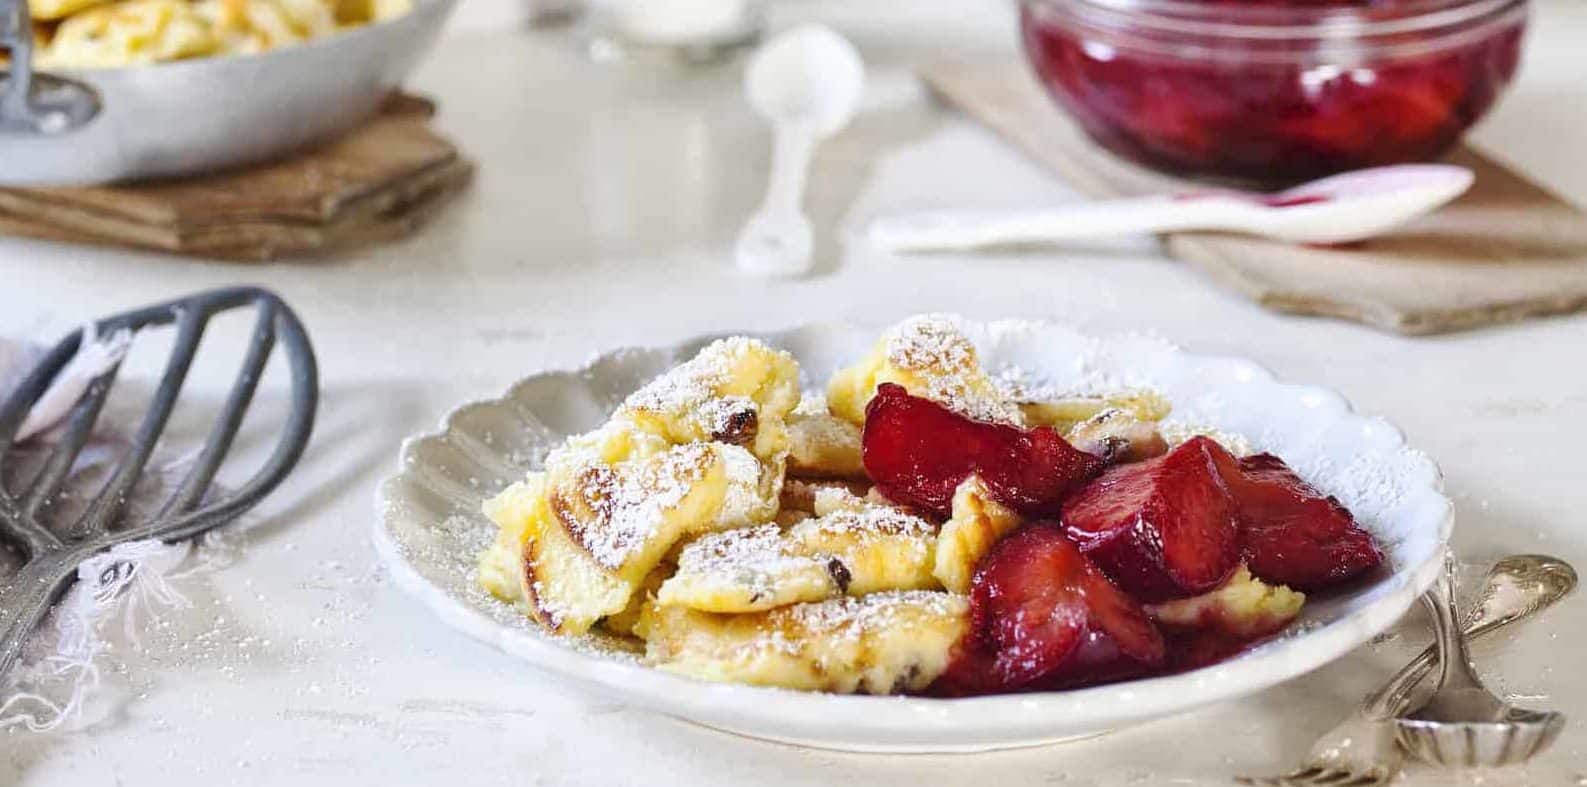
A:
[736,530]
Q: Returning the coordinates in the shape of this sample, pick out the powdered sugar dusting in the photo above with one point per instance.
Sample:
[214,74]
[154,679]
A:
[842,622]
[1020,384]
[812,403]
[1239,404]
[829,499]
[1176,432]
[860,537]
[1361,483]
[693,384]
[752,557]
[758,556]
[929,341]
[616,507]
[751,487]
[1394,490]
[933,346]
[852,617]
[1017,384]
[614,513]
[731,419]
[869,521]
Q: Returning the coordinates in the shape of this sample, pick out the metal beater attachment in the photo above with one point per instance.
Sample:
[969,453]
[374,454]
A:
[53,551]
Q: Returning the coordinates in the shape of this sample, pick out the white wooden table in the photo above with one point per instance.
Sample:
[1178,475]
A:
[605,203]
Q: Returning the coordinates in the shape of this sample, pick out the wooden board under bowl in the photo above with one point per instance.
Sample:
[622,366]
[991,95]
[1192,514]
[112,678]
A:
[378,183]
[1506,250]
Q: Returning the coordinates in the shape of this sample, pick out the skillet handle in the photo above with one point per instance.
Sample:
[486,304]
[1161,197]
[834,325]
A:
[33,103]
[16,38]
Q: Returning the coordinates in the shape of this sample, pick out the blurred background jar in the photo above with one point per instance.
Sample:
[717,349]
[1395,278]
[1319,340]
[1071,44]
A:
[1274,91]
[689,31]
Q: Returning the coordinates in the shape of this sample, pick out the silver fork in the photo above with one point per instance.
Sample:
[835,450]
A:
[1361,751]
[1463,725]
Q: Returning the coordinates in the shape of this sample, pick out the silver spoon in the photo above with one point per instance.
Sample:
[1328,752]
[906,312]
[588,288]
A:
[1463,724]
[1363,745]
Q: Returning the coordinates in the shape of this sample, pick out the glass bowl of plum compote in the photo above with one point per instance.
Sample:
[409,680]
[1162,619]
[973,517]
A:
[1274,91]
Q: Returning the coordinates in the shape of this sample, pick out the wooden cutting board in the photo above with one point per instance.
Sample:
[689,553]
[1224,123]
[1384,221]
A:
[1504,251]
[377,183]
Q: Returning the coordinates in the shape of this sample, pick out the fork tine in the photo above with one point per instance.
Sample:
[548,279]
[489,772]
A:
[1299,776]
[1355,779]
[107,505]
[197,482]
[1375,779]
[1303,774]
[48,480]
[1339,777]
[1332,777]
[1305,777]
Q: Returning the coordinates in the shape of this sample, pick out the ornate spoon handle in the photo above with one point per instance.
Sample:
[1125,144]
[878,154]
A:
[1518,586]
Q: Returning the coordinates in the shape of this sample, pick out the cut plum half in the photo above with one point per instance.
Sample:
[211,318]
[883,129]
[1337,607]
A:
[1163,529]
[1042,614]
[1294,534]
[918,451]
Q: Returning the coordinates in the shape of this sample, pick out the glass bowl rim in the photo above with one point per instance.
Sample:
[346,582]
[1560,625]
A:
[1283,22]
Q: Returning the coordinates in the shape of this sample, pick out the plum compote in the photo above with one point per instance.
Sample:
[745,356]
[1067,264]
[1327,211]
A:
[1273,92]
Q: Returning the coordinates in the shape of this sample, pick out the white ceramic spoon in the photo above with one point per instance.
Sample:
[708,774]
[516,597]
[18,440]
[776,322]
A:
[807,83]
[1338,209]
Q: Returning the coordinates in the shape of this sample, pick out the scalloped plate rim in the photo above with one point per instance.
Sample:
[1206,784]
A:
[911,724]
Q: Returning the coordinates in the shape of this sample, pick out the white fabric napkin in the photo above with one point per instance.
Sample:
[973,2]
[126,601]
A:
[96,355]
[60,667]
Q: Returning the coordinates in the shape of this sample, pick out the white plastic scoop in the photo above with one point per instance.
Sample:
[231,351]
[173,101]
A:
[1338,209]
[807,82]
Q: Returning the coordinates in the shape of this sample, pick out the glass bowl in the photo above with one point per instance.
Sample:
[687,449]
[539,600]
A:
[1273,91]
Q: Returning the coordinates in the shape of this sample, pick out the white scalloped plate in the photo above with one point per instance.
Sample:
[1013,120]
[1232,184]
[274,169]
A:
[429,529]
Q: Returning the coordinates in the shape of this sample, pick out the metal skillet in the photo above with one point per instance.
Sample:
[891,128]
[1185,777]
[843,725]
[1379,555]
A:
[194,116]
